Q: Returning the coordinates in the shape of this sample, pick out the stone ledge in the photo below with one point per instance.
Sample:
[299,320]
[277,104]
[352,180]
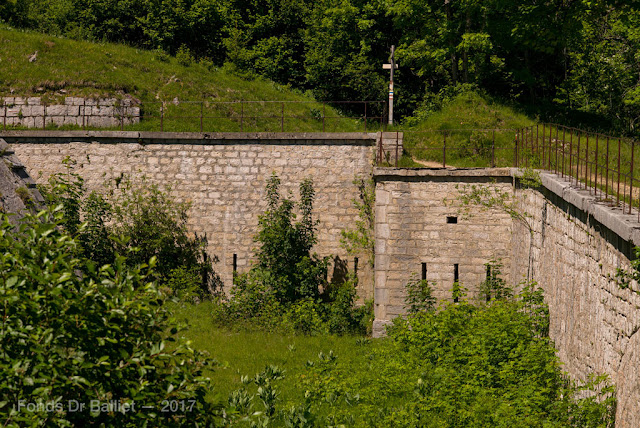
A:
[312,138]
[624,225]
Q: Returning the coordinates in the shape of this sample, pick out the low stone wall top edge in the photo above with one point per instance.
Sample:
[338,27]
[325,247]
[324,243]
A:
[331,138]
[383,173]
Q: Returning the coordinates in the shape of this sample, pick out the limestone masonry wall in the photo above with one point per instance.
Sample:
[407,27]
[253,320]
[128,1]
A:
[32,112]
[414,226]
[576,247]
[594,322]
[223,176]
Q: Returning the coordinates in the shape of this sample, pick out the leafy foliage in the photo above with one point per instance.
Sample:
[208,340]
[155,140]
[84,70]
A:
[460,366]
[283,288]
[76,330]
[362,237]
[419,296]
[140,220]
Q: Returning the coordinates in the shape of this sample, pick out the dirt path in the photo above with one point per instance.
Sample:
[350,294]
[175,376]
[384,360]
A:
[430,164]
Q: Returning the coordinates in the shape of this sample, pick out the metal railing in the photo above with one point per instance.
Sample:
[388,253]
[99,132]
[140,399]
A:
[219,116]
[603,165]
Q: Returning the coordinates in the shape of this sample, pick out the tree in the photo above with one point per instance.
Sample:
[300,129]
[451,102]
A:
[75,331]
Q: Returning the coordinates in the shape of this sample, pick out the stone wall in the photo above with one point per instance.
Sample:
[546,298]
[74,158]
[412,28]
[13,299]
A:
[414,226]
[223,176]
[576,246]
[32,112]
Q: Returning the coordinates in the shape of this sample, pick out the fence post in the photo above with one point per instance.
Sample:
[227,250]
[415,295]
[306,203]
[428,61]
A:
[544,132]
[606,177]
[162,117]
[564,140]
[282,119]
[595,164]
[578,163]
[631,177]
[518,133]
[4,121]
[44,115]
[241,115]
[493,150]
[444,150]
[121,116]
[555,166]
[201,116]
[587,178]
[84,113]
[570,154]
[618,191]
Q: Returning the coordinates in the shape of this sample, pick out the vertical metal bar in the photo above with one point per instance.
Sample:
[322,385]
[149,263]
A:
[241,115]
[556,161]
[618,191]
[606,178]
[536,143]
[516,148]
[201,116]
[570,155]
[631,176]
[282,119]
[365,116]
[564,140]
[595,164]
[397,147]
[544,131]
[84,113]
[44,115]
[549,154]
[493,150]
[162,117]
[121,116]
[587,179]
[4,120]
[444,151]
[324,109]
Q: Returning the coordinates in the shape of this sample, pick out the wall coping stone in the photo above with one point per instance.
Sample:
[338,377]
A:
[312,138]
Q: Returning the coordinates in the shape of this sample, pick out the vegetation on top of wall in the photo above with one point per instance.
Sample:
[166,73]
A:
[164,85]
[76,331]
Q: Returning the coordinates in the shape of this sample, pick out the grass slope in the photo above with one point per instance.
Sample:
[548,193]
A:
[469,127]
[65,67]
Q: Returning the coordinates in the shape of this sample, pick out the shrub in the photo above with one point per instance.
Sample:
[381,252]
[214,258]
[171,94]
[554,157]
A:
[282,290]
[75,330]
[418,296]
[130,216]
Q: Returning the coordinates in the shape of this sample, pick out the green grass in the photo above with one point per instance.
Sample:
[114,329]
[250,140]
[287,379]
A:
[248,352]
[67,67]
[469,128]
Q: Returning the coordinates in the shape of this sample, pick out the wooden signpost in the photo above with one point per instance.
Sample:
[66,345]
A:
[391,66]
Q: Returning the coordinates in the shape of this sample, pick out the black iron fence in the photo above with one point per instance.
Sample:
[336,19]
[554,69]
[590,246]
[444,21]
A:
[603,165]
[202,116]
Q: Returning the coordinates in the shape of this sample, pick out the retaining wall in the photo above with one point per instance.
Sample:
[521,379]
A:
[575,243]
[224,177]
[32,112]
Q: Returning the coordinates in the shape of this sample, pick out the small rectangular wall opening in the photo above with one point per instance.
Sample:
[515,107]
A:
[456,283]
[235,264]
[355,266]
[424,271]
[452,219]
